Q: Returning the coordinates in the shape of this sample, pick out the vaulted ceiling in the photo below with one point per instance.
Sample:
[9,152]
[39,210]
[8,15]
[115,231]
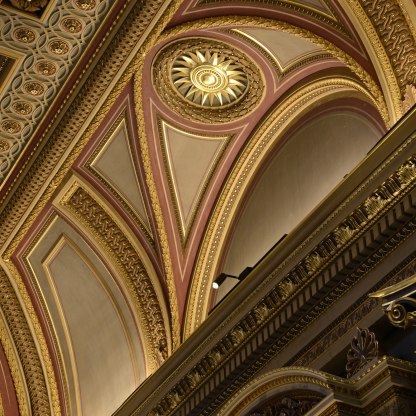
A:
[148,146]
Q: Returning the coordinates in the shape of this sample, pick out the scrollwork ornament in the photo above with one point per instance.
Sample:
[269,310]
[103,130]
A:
[33,88]
[22,108]
[58,47]
[85,4]
[409,99]
[71,25]
[46,68]
[402,313]
[4,145]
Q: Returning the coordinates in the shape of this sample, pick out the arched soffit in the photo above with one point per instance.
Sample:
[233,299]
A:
[87,318]
[278,384]
[25,348]
[306,165]
[266,137]
[274,76]
[128,258]
[120,294]
[8,397]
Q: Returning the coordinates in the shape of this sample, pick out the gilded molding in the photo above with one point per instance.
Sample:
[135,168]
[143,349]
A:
[83,206]
[281,72]
[381,54]
[393,30]
[183,228]
[117,195]
[15,369]
[43,392]
[262,139]
[292,6]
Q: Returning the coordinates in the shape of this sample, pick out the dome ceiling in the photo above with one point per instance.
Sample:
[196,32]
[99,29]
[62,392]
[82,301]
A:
[132,136]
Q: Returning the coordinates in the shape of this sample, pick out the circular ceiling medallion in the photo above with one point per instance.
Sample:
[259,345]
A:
[71,25]
[207,80]
[33,88]
[11,126]
[24,35]
[22,107]
[45,68]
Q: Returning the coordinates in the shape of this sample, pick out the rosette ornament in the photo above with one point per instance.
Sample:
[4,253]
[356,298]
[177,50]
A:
[209,79]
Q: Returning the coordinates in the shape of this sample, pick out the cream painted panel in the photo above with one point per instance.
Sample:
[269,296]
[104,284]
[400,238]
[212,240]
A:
[308,167]
[97,333]
[284,47]
[115,164]
[191,159]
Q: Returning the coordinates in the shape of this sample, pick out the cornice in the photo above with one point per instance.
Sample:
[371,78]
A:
[253,332]
[352,316]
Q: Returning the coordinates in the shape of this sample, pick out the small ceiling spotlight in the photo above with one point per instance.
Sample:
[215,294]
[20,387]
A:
[221,278]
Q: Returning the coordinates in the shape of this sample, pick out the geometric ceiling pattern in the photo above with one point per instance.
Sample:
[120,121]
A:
[133,137]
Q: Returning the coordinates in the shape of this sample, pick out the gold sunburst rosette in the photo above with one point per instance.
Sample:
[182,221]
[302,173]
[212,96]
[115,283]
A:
[207,80]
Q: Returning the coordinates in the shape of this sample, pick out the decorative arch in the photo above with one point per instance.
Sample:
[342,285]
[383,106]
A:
[261,143]
[292,383]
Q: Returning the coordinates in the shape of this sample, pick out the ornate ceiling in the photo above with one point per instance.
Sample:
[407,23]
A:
[134,138]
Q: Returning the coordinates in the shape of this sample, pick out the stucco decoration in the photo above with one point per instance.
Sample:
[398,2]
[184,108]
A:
[207,81]
[48,55]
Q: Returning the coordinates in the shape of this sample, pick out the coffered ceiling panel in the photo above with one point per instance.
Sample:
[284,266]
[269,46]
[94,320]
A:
[49,41]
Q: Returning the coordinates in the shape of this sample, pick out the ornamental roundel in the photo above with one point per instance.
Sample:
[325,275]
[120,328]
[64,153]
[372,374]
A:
[206,80]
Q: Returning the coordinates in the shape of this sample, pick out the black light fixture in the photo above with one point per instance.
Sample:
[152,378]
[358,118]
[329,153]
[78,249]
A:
[221,278]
